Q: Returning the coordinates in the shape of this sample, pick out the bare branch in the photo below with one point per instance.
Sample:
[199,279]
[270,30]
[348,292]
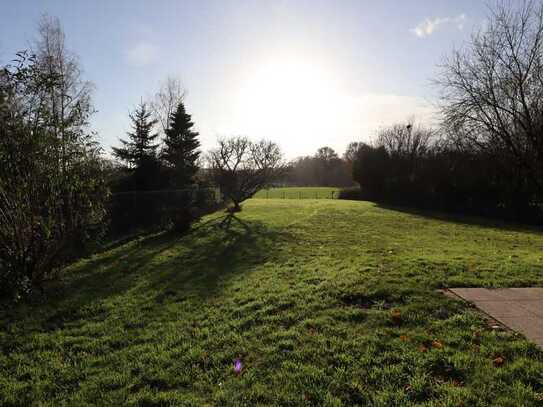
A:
[241,167]
[166,100]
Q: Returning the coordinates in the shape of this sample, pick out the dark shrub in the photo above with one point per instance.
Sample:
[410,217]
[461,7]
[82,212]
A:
[371,170]
[182,219]
[352,194]
[448,179]
[52,188]
[134,211]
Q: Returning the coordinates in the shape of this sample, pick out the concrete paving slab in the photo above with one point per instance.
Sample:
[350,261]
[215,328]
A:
[535,307]
[478,294]
[520,294]
[502,308]
[520,309]
[532,328]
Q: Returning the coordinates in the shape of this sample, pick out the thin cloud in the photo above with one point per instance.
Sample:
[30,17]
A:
[142,53]
[430,25]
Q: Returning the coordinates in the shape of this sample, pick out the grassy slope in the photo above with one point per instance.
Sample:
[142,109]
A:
[299,193]
[302,292]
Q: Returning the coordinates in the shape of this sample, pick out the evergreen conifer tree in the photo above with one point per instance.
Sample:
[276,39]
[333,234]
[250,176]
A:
[181,145]
[139,149]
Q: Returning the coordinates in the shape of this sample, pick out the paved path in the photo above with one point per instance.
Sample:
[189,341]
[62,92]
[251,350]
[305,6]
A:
[520,309]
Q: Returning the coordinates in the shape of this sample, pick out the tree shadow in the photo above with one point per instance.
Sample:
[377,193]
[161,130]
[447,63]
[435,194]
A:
[158,267]
[227,247]
[462,219]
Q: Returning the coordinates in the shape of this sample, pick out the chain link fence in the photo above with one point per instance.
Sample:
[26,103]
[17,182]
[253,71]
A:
[131,211]
[298,193]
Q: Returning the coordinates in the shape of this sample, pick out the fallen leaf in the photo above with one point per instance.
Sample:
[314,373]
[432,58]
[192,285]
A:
[437,344]
[423,349]
[457,383]
[404,338]
[499,361]
[396,316]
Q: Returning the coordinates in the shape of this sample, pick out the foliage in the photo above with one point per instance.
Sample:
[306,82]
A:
[241,167]
[352,194]
[52,188]
[143,170]
[492,93]
[139,150]
[157,191]
[136,211]
[445,176]
[324,169]
[488,159]
[350,155]
[304,293]
[181,145]
[370,170]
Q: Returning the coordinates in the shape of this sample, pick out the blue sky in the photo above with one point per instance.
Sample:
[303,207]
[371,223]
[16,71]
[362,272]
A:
[304,73]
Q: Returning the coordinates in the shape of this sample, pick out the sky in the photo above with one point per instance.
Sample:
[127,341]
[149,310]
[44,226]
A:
[303,73]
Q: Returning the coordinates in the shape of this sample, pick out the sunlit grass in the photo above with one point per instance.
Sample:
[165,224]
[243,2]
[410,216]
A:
[323,302]
[298,193]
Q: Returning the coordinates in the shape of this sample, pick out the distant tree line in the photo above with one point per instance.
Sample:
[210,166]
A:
[325,169]
[487,157]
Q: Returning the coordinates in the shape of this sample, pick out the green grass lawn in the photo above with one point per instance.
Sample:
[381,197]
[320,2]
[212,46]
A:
[299,193]
[325,302]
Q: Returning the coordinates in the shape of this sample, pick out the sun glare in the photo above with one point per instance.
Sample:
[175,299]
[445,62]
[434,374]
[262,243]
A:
[291,96]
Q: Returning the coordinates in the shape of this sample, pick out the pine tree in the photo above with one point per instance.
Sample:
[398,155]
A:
[181,147]
[139,149]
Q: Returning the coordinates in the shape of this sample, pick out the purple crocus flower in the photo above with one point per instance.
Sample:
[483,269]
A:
[238,366]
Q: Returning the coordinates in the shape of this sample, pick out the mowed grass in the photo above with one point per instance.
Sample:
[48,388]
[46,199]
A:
[325,302]
[298,193]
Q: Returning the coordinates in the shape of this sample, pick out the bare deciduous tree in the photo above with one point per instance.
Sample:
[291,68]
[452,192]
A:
[351,150]
[69,101]
[408,140]
[166,100]
[493,89]
[241,167]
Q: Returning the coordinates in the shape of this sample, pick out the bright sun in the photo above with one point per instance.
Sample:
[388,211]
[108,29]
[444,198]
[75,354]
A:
[290,96]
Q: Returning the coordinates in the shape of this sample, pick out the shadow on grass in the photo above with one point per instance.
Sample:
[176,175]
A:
[160,266]
[214,252]
[460,219]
